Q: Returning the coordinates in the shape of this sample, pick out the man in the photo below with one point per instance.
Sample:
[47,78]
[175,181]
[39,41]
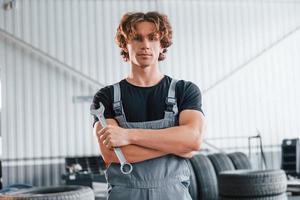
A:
[155,120]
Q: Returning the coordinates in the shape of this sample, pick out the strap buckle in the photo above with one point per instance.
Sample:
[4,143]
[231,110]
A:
[171,103]
[117,106]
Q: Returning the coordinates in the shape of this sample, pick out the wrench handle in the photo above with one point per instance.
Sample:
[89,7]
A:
[120,155]
[102,121]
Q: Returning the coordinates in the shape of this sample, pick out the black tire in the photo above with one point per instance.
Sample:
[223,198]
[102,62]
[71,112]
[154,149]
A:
[240,160]
[52,193]
[193,182]
[221,162]
[277,197]
[250,183]
[206,178]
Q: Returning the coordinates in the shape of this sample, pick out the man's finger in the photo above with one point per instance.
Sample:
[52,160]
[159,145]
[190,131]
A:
[108,145]
[104,135]
[103,130]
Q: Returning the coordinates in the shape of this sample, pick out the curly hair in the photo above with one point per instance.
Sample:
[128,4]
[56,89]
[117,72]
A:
[126,30]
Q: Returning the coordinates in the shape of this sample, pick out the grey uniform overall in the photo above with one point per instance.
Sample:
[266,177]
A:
[163,178]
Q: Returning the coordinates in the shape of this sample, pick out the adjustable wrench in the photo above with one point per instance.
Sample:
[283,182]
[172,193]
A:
[126,167]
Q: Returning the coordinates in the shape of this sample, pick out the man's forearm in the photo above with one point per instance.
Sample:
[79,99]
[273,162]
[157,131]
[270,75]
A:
[179,140]
[132,153]
[175,140]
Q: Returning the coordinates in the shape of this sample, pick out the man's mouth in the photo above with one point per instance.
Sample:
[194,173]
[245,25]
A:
[144,54]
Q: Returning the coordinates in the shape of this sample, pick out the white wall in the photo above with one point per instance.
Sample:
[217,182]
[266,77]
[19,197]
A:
[242,54]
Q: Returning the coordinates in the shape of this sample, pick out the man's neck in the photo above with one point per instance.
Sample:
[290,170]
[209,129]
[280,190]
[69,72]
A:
[144,76]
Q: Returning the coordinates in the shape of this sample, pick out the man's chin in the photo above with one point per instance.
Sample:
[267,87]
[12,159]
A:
[144,65]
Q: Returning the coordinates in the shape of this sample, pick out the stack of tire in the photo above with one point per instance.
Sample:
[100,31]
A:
[229,176]
[51,193]
[252,185]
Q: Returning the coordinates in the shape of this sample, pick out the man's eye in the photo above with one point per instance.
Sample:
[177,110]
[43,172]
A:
[153,37]
[137,38]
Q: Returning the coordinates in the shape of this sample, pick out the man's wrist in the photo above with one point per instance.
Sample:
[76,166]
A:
[132,134]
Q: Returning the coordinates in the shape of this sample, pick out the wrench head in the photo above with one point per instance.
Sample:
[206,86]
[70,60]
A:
[126,168]
[99,111]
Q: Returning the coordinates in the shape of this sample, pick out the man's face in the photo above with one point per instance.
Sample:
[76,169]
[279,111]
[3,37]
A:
[144,48]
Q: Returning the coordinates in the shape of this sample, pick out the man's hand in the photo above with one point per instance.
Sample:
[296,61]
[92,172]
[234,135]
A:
[114,136]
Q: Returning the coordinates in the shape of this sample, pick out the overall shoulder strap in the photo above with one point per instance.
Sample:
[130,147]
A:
[117,105]
[171,100]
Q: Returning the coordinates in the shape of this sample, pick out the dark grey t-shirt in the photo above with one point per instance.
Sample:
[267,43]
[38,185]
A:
[148,103]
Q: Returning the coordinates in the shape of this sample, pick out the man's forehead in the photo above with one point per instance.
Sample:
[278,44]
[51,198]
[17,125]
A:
[146,33]
[145,28]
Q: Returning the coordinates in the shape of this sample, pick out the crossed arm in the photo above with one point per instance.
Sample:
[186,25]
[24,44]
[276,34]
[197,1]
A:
[143,144]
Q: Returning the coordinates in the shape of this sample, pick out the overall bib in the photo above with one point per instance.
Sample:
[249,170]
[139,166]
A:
[163,178]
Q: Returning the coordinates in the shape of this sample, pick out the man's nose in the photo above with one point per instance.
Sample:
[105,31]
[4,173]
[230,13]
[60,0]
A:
[145,43]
